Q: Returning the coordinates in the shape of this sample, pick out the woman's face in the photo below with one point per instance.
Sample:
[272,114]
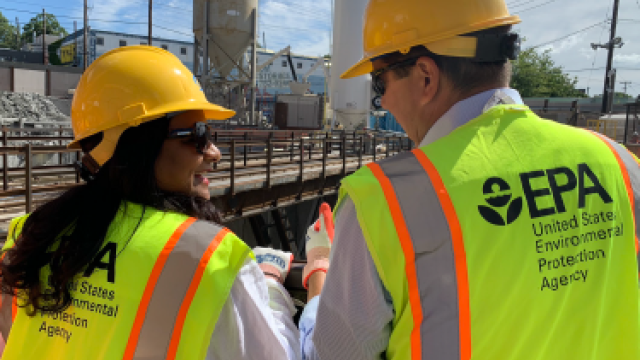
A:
[179,167]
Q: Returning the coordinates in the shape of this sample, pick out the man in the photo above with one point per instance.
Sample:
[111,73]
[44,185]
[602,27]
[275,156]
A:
[503,236]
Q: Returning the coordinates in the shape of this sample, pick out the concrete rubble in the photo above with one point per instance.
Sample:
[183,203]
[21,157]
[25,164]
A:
[31,107]
[31,110]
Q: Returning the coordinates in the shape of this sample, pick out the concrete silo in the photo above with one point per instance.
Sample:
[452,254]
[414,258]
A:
[223,30]
[350,98]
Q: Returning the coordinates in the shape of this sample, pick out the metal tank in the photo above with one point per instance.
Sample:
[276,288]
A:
[230,30]
[350,98]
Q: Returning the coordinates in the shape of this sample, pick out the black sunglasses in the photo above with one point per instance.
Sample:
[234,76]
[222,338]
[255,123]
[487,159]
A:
[376,76]
[199,135]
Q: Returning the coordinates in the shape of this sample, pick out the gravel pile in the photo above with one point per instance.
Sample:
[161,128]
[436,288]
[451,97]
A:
[27,110]
[30,107]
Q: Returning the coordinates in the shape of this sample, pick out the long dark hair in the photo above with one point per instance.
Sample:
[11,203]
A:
[83,214]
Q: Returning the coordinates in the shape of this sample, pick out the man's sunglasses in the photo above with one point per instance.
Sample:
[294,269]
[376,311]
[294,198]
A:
[376,76]
[199,135]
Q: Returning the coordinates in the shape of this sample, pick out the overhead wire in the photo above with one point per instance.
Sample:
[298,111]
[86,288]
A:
[567,36]
[77,17]
[537,6]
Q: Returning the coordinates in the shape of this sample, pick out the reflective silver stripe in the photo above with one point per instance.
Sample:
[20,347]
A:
[633,169]
[6,316]
[433,247]
[171,289]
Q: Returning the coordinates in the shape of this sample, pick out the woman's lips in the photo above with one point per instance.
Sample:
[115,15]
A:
[199,178]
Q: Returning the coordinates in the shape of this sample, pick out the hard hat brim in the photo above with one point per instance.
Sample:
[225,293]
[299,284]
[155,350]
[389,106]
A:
[211,112]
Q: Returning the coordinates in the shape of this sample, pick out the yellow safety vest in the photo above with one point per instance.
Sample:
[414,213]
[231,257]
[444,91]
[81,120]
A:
[155,296]
[513,237]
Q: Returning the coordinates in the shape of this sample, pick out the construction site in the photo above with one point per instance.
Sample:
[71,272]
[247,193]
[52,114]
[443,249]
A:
[282,154]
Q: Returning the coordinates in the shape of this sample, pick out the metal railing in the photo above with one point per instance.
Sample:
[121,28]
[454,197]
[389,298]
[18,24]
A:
[244,154]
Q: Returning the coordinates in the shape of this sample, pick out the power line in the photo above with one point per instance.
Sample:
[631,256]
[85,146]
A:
[289,28]
[537,6]
[519,3]
[568,35]
[77,18]
[172,30]
[602,68]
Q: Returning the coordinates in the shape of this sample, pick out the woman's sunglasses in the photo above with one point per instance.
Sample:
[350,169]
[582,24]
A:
[199,135]
[376,76]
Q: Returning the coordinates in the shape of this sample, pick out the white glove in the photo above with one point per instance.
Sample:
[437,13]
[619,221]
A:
[274,263]
[318,244]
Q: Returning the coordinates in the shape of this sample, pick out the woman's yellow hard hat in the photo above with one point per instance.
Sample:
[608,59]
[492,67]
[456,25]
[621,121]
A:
[399,25]
[131,85]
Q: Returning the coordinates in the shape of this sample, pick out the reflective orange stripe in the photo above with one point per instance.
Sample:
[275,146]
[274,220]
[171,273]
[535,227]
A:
[458,250]
[14,308]
[14,299]
[193,287]
[148,290]
[625,176]
[409,255]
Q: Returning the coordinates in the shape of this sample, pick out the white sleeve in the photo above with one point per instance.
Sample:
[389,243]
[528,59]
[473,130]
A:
[256,322]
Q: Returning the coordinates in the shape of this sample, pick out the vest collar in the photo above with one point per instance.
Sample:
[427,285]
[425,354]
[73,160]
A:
[469,109]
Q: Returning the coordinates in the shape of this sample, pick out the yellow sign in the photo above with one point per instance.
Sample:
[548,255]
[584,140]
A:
[67,53]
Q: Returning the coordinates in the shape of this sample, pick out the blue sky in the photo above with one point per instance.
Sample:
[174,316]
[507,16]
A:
[306,26]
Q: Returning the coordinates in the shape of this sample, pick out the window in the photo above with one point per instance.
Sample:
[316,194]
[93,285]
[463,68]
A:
[299,65]
[284,63]
[183,51]
[123,42]
[99,41]
[163,46]
[143,43]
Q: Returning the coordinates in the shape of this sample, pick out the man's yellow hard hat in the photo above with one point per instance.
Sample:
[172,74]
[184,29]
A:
[399,25]
[131,85]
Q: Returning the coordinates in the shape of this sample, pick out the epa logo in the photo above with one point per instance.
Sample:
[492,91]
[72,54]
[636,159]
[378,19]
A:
[498,195]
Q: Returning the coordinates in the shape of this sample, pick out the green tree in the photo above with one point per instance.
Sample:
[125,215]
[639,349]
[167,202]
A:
[7,34]
[536,75]
[35,24]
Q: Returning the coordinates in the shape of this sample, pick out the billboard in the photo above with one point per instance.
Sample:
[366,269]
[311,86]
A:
[67,53]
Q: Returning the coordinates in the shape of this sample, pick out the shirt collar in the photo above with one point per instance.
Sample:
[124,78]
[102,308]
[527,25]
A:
[466,110]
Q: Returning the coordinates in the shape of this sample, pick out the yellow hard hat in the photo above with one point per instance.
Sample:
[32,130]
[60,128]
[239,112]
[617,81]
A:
[399,25]
[131,85]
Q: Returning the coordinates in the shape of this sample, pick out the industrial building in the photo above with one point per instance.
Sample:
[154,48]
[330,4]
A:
[272,79]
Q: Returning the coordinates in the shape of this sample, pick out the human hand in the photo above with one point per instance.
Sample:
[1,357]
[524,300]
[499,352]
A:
[318,244]
[274,263]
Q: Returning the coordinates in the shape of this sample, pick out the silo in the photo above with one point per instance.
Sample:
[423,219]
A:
[230,30]
[350,98]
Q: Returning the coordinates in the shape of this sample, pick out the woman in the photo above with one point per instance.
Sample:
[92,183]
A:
[132,264]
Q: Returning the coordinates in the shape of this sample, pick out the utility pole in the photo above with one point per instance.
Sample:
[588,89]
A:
[625,84]
[254,41]
[45,51]
[18,42]
[610,46]
[150,20]
[84,38]
[75,48]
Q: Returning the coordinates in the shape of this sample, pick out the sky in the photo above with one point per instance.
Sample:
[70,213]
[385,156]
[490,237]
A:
[565,27]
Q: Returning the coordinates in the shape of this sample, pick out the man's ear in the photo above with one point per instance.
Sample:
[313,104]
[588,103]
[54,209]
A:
[428,79]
